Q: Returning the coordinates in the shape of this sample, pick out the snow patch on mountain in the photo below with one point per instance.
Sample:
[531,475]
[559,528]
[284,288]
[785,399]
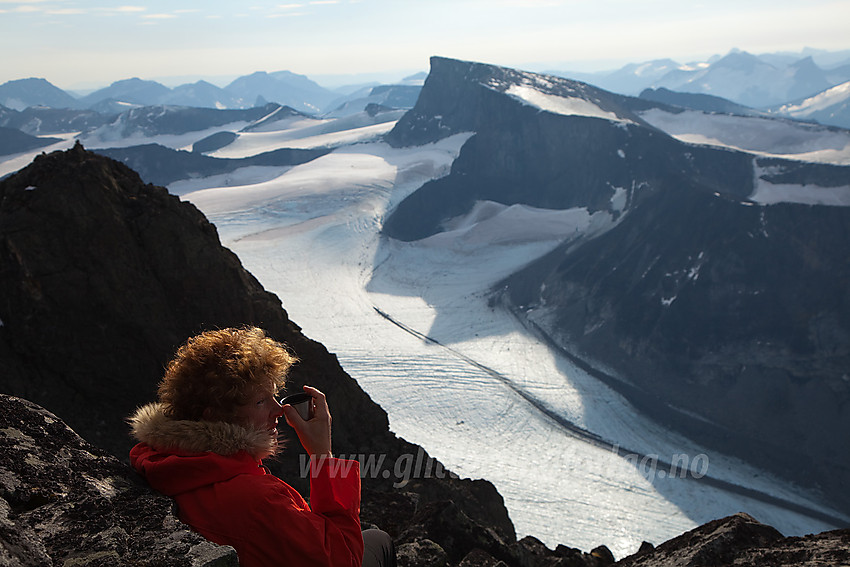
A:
[495,224]
[308,133]
[821,101]
[568,106]
[765,136]
[767,193]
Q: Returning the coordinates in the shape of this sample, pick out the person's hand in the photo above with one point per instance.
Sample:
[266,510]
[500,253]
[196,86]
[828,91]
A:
[315,434]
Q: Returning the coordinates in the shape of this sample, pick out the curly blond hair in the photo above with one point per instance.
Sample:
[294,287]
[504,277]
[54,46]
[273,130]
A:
[214,372]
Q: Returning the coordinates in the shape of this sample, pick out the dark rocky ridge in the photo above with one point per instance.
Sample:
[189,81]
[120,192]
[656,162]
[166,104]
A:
[697,101]
[13,141]
[102,277]
[737,313]
[171,119]
[40,120]
[161,165]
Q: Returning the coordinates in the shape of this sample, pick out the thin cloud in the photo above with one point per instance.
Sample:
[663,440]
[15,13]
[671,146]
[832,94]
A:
[158,16]
[65,12]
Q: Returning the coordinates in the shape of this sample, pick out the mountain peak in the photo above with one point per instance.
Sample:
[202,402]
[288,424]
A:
[740,60]
[455,92]
[34,91]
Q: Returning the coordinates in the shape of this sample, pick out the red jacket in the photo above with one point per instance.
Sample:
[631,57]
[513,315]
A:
[232,500]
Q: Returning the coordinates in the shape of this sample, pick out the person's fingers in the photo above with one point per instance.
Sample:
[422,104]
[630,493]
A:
[292,417]
[320,401]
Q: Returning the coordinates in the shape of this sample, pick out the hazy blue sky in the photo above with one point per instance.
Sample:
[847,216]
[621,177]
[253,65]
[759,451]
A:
[75,43]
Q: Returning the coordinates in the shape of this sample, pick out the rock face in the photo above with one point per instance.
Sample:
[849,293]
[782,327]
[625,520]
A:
[64,501]
[698,298]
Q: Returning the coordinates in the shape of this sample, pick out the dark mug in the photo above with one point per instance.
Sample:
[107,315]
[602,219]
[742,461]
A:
[302,402]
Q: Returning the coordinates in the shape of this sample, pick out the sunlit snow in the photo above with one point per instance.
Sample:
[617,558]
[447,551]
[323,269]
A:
[568,106]
[767,193]
[820,101]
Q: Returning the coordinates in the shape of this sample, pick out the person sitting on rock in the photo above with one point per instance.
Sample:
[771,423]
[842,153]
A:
[203,444]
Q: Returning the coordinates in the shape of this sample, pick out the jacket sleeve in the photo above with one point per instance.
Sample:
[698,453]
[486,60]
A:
[335,495]
[272,525]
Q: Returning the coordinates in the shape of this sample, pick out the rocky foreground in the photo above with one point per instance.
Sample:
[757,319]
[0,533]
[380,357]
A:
[66,502]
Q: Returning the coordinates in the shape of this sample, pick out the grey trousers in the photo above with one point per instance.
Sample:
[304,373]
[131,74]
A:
[378,549]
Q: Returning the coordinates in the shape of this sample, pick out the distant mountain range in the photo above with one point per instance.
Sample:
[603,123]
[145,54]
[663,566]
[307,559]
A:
[257,89]
[778,83]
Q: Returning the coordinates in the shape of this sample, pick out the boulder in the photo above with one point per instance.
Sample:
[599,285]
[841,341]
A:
[64,501]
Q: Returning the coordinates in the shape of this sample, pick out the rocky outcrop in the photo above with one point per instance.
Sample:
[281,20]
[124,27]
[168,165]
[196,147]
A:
[102,277]
[698,299]
[64,501]
[741,540]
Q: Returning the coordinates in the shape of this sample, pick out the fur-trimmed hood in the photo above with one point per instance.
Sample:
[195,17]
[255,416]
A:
[150,425]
